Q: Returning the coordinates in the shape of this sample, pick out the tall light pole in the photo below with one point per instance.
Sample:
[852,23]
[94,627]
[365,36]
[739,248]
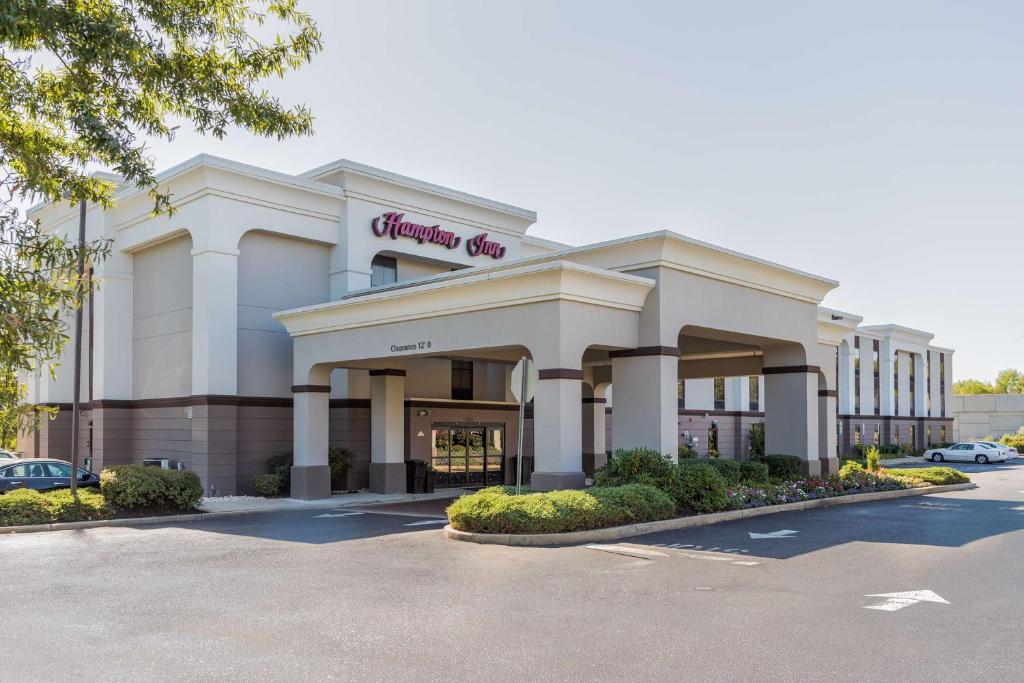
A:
[78,352]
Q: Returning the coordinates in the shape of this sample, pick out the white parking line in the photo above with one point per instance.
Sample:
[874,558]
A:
[629,551]
[344,514]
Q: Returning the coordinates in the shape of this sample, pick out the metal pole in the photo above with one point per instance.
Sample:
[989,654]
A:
[78,353]
[522,419]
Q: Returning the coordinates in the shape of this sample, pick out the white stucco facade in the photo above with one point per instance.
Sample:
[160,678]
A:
[352,307]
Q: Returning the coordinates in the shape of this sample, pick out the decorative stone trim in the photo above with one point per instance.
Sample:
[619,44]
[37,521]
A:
[311,388]
[387,372]
[595,399]
[790,369]
[645,351]
[560,373]
[828,393]
[616,533]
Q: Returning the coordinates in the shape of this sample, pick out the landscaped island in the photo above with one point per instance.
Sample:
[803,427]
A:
[640,485]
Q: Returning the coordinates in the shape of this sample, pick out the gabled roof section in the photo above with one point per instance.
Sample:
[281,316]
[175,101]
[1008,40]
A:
[333,172]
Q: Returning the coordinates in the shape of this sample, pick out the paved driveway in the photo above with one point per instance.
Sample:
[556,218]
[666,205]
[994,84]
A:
[381,595]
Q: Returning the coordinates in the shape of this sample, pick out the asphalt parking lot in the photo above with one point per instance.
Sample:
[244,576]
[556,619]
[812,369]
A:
[912,589]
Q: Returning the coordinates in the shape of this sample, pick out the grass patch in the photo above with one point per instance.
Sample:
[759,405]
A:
[937,476]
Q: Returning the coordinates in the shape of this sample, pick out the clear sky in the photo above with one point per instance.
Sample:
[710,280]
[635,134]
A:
[876,143]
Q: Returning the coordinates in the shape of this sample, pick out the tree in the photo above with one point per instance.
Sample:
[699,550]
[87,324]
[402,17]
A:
[966,387]
[86,84]
[1009,382]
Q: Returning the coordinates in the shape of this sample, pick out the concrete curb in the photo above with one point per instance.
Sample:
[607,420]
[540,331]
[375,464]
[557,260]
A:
[196,516]
[619,532]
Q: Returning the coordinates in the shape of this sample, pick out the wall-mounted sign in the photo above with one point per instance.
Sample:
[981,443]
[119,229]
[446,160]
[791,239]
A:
[415,346]
[393,225]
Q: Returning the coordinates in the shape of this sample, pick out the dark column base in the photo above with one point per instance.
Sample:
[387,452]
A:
[387,477]
[829,465]
[311,482]
[811,468]
[551,481]
[593,462]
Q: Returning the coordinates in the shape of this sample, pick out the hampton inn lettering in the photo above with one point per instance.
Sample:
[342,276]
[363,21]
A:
[394,225]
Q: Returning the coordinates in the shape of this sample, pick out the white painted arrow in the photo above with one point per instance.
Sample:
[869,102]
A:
[427,521]
[895,601]
[344,514]
[782,533]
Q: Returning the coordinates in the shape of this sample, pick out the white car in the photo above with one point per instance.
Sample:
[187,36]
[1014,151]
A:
[7,455]
[1011,452]
[966,452]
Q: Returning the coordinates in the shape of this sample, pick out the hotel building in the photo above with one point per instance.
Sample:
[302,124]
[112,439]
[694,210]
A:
[353,307]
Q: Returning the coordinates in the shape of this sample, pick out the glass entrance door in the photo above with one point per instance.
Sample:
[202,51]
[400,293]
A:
[464,454]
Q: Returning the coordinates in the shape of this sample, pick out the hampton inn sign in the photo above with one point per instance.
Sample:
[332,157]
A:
[392,224]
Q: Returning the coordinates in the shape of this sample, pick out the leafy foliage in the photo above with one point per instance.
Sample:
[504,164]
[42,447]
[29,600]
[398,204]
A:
[783,467]
[27,506]
[267,484]
[1009,381]
[134,487]
[339,460]
[871,457]
[495,511]
[85,84]
[701,488]
[637,466]
[939,476]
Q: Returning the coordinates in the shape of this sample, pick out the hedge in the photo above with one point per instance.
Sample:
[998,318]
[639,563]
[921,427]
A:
[939,476]
[268,484]
[496,511]
[28,506]
[338,459]
[784,467]
[134,487]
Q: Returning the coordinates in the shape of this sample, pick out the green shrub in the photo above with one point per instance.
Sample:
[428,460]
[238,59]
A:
[685,452]
[338,459]
[23,506]
[638,466]
[850,468]
[938,476]
[784,467]
[755,439]
[64,508]
[1013,440]
[495,510]
[729,469]
[701,488]
[267,484]
[754,473]
[872,458]
[134,487]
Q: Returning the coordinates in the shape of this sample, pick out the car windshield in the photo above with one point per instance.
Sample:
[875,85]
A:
[984,444]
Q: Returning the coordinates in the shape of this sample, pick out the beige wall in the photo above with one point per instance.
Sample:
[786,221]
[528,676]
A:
[274,273]
[162,320]
[978,417]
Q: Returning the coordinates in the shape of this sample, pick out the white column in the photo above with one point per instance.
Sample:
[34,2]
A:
[700,393]
[311,475]
[387,431]
[886,353]
[867,377]
[557,441]
[791,414]
[214,321]
[949,389]
[827,448]
[934,390]
[737,393]
[903,377]
[920,389]
[646,412]
[112,334]
[845,379]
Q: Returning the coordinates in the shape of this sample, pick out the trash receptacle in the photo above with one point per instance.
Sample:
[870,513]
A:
[415,476]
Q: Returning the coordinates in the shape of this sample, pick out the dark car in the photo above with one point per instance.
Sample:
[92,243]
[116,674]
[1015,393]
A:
[42,475]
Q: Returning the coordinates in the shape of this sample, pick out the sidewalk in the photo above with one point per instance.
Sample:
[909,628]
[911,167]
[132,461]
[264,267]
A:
[240,504]
[908,460]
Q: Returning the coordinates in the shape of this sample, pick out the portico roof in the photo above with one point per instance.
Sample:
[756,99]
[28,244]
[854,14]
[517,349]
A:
[471,290]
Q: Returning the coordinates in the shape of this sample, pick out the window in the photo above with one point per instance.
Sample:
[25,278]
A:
[58,469]
[16,471]
[896,384]
[713,440]
[719,393]
[913,391]
[895,435]
[755,393]
[928,436]
[857,431]
[942,385]
[942,434]
[928,383]
[462,380]
[875,436]
[913,436]
[681,392]
[876,376]
[383,271]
